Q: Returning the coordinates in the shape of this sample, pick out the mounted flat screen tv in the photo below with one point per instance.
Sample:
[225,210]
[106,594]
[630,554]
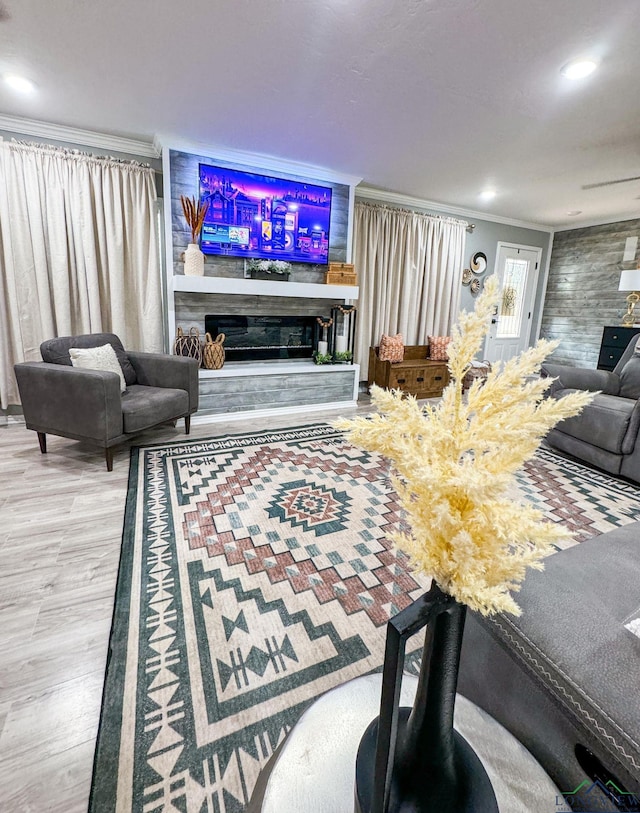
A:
[258,216]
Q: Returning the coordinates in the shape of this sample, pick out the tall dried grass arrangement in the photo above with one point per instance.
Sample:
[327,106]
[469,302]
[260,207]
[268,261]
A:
[456,461]
[194,212]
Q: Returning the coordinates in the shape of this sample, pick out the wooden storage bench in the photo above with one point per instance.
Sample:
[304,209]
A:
[416,375]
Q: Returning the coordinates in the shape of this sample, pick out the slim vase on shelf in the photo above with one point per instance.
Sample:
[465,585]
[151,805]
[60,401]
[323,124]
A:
[412,760]
[193,261]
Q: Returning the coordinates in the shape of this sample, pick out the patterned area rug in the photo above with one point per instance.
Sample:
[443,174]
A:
[255,575]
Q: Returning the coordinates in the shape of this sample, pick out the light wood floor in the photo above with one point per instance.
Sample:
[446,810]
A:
[61,520]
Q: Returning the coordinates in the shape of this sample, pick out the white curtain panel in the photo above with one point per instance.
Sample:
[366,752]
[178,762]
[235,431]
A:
[409,272]
[78,253]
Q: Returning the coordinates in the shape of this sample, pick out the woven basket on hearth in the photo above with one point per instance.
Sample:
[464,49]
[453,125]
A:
[213,354]
[189,345]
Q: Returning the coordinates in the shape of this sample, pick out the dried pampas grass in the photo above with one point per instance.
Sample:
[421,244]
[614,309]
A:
[194,212]
[455,461]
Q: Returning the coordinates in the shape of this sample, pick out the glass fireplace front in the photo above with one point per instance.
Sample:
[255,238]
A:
[256,338]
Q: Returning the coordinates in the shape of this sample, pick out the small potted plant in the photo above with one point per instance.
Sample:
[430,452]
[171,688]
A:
[194,212]
[322,358]
[343,356]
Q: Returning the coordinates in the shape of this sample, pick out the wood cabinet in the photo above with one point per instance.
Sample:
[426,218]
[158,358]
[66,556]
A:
[416,375]
[614,341]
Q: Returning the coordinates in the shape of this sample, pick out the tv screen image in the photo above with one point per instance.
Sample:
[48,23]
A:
[259,216]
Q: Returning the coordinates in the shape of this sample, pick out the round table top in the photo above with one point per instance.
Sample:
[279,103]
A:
[314,770]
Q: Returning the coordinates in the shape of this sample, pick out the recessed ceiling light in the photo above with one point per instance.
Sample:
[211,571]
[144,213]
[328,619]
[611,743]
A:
[488,194]
[574,212]
[19,83]
[578,68]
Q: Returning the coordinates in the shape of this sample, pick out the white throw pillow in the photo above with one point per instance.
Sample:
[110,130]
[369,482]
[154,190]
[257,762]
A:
[98,358]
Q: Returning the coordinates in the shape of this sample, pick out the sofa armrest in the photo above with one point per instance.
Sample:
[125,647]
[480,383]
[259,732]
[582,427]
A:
[70,401]
[633,428]
[163,370]
[581,378]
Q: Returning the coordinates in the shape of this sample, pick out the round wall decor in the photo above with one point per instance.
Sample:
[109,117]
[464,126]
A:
[475,286]
[479,262]
[467,276]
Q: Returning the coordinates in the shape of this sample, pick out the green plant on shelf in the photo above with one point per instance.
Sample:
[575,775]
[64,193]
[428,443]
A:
[344,356]
[322,358]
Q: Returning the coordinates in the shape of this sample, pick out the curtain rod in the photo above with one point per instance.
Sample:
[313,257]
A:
[68,152]
[390,208]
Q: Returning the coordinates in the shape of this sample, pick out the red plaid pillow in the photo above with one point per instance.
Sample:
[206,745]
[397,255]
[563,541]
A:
[391,348]
[438,347]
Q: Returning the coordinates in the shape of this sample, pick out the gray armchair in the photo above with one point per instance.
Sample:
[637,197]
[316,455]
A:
[605,433]
[85,404]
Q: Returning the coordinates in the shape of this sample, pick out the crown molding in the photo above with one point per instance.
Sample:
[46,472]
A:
[622,218]
[88,138]
[397,199]
[256,160]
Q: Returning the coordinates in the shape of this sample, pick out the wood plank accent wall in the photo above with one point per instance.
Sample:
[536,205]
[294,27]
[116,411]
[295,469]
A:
[184,181]
[275,391]
[582,291]
[191,308]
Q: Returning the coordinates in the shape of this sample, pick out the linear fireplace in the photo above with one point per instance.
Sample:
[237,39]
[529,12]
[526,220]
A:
[256,338]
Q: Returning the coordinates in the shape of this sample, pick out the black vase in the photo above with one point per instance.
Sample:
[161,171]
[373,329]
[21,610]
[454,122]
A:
[412,760]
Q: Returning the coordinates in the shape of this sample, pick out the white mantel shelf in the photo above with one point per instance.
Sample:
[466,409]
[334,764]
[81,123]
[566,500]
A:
[249,287]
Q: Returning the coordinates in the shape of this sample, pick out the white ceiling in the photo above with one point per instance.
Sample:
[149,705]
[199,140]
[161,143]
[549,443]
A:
[435,99]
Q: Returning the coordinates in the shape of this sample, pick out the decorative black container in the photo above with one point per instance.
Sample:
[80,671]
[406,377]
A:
[343,332]
[269,276]
[412,760]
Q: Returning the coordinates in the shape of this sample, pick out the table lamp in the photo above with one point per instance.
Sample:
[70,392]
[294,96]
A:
[630,281]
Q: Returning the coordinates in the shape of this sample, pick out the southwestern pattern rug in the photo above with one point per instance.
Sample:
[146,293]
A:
[255,575]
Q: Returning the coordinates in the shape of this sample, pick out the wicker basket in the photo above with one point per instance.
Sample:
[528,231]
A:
[479,370]
[189,345]
[213,353]
[340,274]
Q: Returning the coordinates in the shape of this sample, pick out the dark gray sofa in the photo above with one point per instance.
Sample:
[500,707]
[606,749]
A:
[567,672]
[605,433]
[85,404]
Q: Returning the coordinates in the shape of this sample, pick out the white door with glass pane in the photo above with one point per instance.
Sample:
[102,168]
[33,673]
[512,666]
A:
[517,268]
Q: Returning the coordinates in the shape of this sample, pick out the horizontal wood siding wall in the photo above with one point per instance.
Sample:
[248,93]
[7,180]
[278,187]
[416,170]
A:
[191,308]
[267,391]
[273,391]
[184,181]
[582,291]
